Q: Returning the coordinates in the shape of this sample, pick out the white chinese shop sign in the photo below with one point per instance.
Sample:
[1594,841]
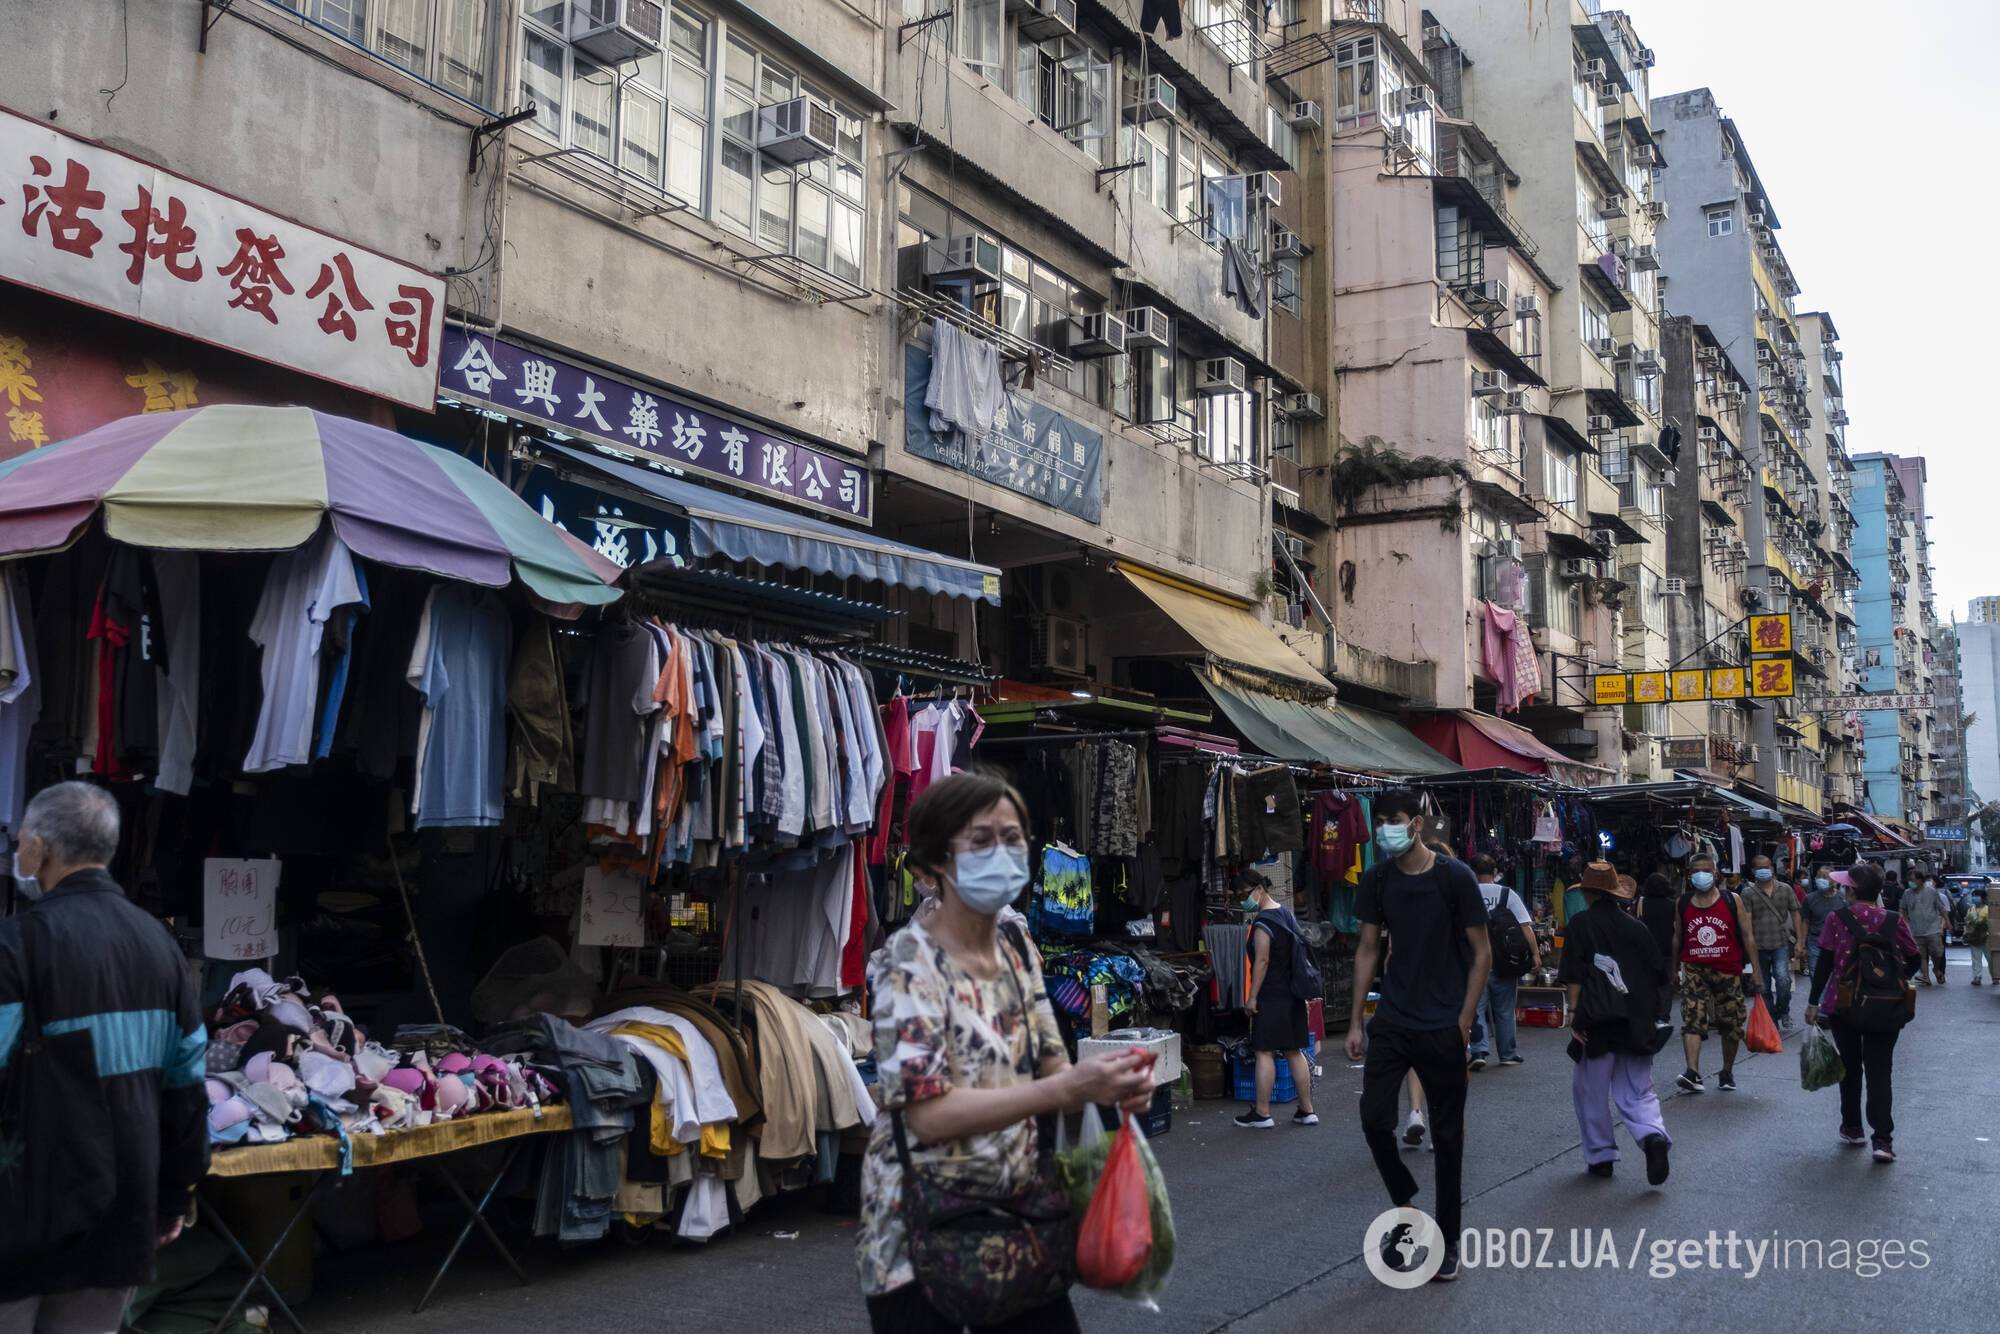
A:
[92,225]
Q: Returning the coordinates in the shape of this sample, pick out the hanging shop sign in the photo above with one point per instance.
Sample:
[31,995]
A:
[92,225]
[1945,833]
[1032,449]
[1772,633]
[1684,752]
[239,908]
[575,402]
[1918,702]
[1764,678]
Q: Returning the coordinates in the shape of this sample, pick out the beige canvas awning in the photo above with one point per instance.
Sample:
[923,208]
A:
[1229,631]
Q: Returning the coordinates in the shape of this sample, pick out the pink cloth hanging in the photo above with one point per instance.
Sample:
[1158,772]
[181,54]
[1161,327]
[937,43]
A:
[1509,655]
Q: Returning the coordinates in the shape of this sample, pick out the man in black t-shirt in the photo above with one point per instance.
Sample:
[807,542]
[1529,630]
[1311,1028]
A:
[1429,907]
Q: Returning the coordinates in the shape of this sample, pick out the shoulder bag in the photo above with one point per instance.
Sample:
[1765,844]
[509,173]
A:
[981,1259]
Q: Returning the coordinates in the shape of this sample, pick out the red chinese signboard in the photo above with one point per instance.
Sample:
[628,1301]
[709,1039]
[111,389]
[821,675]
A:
[89,224]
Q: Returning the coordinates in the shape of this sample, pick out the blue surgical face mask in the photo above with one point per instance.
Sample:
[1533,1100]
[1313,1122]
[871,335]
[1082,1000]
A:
[1701,879]
[1249,904]
[989,879]
[1821,882]
[29,887]
[1762,873]
[1393,839]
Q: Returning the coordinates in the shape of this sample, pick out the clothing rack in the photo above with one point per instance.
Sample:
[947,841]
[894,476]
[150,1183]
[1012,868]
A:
[1056,738]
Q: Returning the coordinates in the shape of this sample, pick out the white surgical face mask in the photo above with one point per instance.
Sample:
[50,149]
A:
[1762,873]
[1702,879]
[989,879]
[1393,839]
[1821,882]
[30,887]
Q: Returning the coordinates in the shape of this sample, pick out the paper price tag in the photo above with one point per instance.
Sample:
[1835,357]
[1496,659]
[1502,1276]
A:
[239,908]
[613,909]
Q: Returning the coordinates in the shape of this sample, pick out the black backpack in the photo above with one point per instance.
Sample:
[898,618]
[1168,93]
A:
[1873,994]
[1307,982]
[1511,956]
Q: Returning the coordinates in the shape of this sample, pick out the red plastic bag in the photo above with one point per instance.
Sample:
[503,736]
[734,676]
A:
[1761,1033]
[1117,1232]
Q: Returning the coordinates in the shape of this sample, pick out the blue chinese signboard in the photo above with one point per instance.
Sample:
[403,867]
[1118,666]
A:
[1944,833]
[573,401]
[1031,449]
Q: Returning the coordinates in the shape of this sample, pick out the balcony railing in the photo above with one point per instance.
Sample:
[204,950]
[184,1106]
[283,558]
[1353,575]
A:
[1412,681]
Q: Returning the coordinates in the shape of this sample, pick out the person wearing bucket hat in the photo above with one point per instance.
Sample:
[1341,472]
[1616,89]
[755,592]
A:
[1611,967]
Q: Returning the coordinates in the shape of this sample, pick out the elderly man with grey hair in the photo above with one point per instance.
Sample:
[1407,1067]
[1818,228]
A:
[103,1128]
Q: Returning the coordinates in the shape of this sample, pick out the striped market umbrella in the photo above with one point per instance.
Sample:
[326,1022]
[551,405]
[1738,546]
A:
[235,478]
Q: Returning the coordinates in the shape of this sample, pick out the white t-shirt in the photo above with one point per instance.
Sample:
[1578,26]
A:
[301,591]
[1490,895]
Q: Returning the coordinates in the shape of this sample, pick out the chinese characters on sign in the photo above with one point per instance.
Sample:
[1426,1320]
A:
[1871,703]
[1945,833]
[575,401]
[1684,752]
[1032,449]
[92,225]
[239,908]
[1771,634]
[1764,679]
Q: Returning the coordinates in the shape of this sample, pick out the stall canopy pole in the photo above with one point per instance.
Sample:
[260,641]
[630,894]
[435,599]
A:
[416,940]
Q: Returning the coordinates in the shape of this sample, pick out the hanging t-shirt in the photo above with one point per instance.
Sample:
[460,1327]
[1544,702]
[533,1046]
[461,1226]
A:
[301,593]
[20,699]
[1068,908]
[463,679]
[618,688]
[179,577]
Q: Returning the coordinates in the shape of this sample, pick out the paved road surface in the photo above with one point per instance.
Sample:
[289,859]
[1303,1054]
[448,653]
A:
[1271,1222]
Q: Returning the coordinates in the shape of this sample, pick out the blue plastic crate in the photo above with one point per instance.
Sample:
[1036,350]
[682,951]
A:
[1282,1089]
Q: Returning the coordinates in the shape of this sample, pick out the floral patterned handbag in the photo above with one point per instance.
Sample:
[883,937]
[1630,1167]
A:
[981,1259]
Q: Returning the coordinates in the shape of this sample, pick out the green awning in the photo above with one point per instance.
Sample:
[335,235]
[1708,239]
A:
[1344,735]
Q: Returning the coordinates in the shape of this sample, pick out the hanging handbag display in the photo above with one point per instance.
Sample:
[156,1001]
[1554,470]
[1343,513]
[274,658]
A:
[1547,829]
[981,1258]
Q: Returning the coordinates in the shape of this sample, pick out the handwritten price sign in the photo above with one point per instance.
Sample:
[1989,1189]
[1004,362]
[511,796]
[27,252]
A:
[613,910]
[239,901]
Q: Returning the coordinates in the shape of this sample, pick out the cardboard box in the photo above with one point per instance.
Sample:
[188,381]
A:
[1165,1046]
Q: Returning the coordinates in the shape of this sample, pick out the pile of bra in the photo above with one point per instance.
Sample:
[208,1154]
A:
[280,1065]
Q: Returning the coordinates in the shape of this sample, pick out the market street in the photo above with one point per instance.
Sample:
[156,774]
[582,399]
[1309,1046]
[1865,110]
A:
[1270,1223]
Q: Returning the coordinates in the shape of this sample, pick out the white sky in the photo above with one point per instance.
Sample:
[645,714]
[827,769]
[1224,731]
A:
[1862,120]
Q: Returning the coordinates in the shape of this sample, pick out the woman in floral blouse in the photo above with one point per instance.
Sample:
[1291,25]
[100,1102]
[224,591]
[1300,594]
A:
[966,1043]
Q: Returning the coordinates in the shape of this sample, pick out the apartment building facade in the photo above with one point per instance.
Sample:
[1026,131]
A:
[1826,453]
[1886,639]
[1565,100]
[1979,698]
[744,224]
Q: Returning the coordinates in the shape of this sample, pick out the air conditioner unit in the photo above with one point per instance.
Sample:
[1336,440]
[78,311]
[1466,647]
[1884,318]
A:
[1398,142]
[796,131]
[1621,246]
[1756,217]
[1416,97]
[1645,257]
[1489,296]
[1644,155]
[1674,586]
[1220,375]
[1487,383]
[1835,355]
[1593,70]
[1058,645]
[1304,406]
[1048,18]
[1604,347]
[1598,424]
[1527,306]
[1158,100]
[1573,568]
[1146,326]
[969,258]
[1609,95]
[1510,549]
[1303,116]
[1645,57]
[1657,210]
[1515,403]
[612,32]
[1646,361]
[1285,243]
[1264,185]
[1612,207]
[1708,435]
[1099,334]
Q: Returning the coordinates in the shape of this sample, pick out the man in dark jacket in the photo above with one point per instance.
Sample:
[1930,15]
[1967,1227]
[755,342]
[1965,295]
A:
[1612,967]
[96,998]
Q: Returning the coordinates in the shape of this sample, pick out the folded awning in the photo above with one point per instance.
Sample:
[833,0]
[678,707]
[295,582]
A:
[1228,631]
[722,524]
[1343,735]
[1481,741]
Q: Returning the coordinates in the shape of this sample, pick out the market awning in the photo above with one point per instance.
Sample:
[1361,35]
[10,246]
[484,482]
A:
[1228,631]
[1482,741]
[727,525]
[1344,735]
[1686,794]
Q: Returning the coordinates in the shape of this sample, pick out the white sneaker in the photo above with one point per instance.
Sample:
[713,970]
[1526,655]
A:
[1414,1128]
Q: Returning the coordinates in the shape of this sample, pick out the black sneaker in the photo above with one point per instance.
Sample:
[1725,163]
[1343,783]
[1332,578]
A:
[1601,1169]
[1689,1082]
[1305,1118]
[1726,1081]
[1885,1152]
[1512,1060]
[1476,1064]
[1656,1159]
[1852,1137]
[1448,1271]
[1251,1121]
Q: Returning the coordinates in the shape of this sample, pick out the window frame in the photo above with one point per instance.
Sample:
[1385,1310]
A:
[1720,219]
[315,12]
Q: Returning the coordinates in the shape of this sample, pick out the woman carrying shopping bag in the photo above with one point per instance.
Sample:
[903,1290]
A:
[964,1223]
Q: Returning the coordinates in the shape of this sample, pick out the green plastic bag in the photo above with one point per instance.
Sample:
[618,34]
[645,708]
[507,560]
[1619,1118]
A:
[1820,1065]
[1080,1167]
